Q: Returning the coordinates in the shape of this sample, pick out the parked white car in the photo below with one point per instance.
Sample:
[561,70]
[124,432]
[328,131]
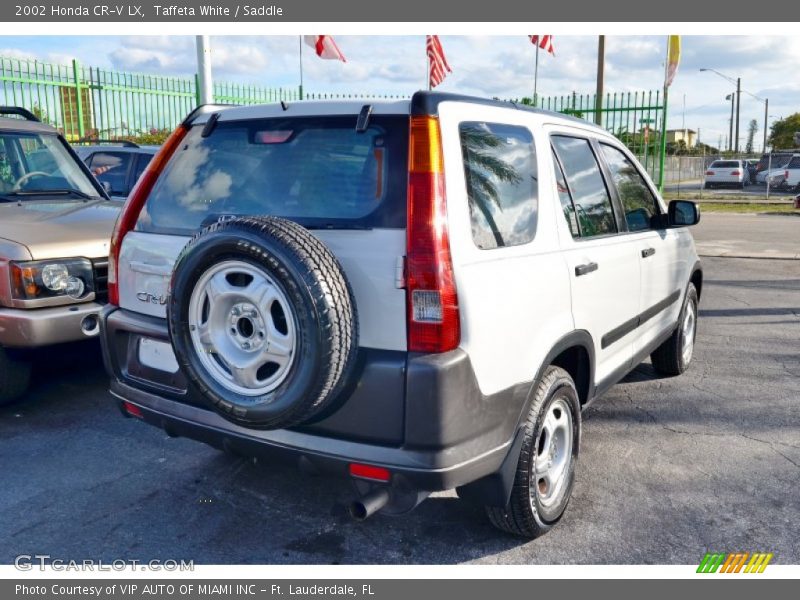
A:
[417,295]
[727,173]
[792,174]
[775,171]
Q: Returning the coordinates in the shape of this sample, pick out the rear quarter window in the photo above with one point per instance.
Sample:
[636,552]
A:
[502,183]
[317,171]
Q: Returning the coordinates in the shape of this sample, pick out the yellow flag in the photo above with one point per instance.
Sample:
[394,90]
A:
[673,58]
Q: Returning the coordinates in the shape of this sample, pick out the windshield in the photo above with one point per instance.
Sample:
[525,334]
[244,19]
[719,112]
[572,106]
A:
[38,164]
[318,171]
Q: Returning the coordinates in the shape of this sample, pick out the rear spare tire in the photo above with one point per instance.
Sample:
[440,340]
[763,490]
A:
[263,321]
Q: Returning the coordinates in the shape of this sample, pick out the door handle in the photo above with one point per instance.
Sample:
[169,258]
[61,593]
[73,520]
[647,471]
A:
[584,269]
[648,252]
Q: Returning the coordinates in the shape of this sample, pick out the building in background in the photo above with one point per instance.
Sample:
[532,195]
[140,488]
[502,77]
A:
[688,136]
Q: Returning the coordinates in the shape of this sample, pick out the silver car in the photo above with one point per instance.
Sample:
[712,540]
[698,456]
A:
[55,226]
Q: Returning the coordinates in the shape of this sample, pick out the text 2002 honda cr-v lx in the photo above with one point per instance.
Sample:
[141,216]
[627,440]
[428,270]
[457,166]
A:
[418,295]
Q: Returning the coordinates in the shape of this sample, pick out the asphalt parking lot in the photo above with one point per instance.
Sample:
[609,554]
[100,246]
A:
[669,468]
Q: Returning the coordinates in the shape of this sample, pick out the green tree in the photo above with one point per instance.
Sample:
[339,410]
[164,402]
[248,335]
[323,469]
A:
[782,132]
[751,135]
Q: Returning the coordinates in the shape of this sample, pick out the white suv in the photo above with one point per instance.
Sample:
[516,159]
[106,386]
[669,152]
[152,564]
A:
[417,295]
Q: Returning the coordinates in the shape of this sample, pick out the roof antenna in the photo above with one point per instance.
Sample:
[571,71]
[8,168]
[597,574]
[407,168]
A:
[284,106]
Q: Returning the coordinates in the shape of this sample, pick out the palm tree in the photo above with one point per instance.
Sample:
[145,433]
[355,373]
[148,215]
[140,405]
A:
[483,167]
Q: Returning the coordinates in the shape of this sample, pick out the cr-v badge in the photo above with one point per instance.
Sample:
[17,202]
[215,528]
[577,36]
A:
[150,298]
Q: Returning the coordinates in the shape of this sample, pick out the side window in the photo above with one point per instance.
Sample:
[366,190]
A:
[566,200]
[502,183]
[586,186]
[111,168]
[637,200]
[141,164]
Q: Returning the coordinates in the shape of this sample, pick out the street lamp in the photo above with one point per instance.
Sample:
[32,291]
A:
[738,83]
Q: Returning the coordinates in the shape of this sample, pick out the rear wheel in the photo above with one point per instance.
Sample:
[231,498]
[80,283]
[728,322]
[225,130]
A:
[15,376]
[673,356]
[546,468]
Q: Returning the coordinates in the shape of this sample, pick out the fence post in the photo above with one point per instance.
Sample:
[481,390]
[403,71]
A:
[76,73]
[196,90]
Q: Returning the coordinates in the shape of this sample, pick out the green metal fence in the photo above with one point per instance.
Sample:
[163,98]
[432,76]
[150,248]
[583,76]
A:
[84,101]
[635,118]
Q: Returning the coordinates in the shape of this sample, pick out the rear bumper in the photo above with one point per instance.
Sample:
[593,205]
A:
[422,417]
[30,328]
[418,470]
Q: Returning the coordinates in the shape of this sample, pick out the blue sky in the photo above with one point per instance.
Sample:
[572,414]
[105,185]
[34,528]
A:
[499,66]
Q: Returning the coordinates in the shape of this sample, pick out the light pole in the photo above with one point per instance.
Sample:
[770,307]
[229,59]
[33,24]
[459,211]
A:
[738,83]
[730,97]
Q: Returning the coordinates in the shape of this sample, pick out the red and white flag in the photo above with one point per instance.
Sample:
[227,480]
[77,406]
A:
[545,42]
[437,63]
[325,47]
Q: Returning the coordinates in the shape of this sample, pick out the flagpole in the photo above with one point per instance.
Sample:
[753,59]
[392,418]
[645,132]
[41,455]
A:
[427,65]
[300,39]
[536,79]
[663,140]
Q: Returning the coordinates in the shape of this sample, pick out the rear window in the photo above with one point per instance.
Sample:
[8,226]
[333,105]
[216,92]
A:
[318,171]
[794,164]
[726,164]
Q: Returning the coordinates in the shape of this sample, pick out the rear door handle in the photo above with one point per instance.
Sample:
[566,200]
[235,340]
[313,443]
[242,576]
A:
[648,252]
[584,269]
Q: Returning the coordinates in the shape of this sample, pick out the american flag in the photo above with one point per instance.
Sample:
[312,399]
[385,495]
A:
[545,42]
[437,63]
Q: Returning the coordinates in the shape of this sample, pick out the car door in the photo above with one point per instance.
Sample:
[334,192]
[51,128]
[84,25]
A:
[657,248]
[602,264]
[112,169]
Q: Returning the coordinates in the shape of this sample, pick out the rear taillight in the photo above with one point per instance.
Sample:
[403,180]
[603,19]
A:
[786,174]
[432,319]
[133,205]
[709,172]
[736,173]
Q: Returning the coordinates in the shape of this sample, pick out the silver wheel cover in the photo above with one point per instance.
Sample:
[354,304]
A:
[243,328]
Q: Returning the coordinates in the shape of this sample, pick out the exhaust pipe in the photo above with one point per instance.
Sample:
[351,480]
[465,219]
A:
[369,504]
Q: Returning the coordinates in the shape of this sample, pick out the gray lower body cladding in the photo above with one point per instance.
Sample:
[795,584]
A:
[423,417]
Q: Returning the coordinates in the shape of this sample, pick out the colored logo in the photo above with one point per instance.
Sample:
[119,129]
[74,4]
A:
[737,562]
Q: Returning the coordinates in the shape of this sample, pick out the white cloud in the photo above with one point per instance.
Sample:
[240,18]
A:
[499,66]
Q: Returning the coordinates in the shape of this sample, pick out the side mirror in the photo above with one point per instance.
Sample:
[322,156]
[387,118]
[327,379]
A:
[683,213]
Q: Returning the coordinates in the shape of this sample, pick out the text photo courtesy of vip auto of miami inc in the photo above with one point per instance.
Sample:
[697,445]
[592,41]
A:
[399,299]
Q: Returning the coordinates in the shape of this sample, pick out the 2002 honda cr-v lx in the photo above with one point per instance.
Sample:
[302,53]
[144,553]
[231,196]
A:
[419,295]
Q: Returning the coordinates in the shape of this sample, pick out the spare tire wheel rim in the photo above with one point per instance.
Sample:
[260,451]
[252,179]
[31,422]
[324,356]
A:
[243,328]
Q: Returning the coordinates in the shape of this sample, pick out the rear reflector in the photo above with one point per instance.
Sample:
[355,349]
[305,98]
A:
[132,409]
[369,472]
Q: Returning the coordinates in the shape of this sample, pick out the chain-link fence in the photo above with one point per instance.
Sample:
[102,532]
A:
[762,174]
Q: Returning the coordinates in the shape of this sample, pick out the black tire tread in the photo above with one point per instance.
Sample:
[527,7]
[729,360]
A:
[667,359]
[517,517]
[325,278]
